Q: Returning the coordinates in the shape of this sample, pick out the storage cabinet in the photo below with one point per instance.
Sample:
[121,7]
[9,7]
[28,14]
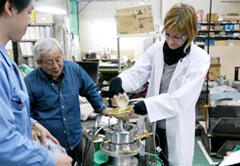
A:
[24,47]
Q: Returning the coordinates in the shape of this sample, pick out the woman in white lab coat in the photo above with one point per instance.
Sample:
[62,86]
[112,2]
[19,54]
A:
[176,69]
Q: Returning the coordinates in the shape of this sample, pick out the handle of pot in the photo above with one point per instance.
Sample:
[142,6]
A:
[144,135]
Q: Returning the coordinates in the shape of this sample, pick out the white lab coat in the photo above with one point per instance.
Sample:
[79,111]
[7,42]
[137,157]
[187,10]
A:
[177,106]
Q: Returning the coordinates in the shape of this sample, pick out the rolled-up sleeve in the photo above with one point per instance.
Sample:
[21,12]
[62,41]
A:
[89,90]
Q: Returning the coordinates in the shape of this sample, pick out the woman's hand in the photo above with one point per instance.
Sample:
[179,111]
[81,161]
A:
[115,86]
[140,108]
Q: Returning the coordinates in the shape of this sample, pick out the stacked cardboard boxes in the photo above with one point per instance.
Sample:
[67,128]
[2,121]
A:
[214,17]
[231,17]
[214,71]
[137,19]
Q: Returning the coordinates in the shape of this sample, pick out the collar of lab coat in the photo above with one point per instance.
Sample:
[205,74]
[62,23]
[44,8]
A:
[180,69]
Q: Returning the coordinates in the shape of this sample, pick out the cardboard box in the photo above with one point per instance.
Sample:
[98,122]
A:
[214,17]
[132,20]
[231,18]
[215,60]
[221,43]
[236,27]
[232,14]
[127,24]
[234,43]
[141,11]
[214,71]
[145,24]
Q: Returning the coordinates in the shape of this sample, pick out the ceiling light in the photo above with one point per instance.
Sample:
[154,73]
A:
[53,6]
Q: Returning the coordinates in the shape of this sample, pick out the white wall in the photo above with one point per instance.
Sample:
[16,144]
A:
[229,58]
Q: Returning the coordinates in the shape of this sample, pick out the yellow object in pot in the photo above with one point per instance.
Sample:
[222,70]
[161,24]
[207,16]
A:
[121,113]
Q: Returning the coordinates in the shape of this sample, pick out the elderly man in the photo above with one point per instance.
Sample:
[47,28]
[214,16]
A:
[53,90]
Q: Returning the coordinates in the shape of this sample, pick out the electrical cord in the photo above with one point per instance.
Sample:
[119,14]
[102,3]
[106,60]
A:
[161,155]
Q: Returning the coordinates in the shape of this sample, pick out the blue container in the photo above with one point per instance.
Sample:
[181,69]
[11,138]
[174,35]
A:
[210,41]
[199,26]
[231,26]
[227,27]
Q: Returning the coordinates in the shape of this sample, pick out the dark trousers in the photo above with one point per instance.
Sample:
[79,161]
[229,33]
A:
[83,153]
[161,141]
[76,154]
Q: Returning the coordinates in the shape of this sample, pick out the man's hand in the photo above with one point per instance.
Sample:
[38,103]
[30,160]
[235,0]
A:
[63,159]
[45,134]
[106,111]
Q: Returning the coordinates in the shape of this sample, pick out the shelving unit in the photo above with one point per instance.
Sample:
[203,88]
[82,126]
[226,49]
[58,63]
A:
[216,143]
[218,31]
[23,52]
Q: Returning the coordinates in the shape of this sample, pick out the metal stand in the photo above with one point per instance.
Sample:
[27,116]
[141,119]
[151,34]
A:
[131,161]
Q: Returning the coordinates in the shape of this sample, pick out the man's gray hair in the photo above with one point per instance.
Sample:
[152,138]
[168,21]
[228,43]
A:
[44,45]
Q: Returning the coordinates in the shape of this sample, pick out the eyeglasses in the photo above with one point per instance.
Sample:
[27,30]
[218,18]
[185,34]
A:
[176,39]
[51,62]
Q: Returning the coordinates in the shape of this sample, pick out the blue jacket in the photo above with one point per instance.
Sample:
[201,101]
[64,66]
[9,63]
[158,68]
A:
[58,108]
[17,147]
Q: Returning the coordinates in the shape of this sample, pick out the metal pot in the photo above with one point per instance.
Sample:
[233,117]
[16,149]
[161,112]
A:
[119,136]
